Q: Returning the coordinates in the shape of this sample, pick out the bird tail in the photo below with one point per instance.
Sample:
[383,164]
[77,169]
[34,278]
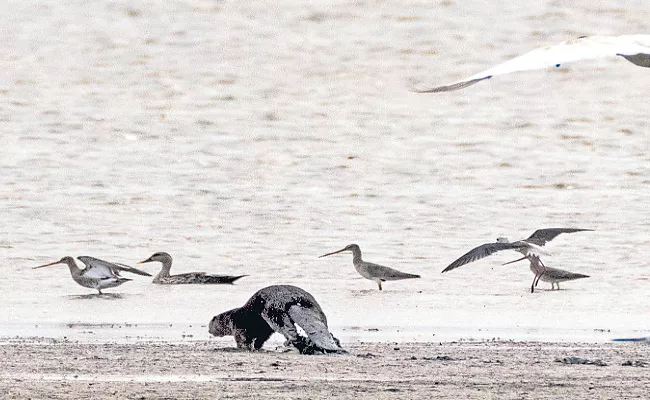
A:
[398,275]
[578,276]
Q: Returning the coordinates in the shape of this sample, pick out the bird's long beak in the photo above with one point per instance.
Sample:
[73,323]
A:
[47,265]
[519,259]
[145,261]
[329,254]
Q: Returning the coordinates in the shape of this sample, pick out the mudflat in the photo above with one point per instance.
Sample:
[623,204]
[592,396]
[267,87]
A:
[45,368]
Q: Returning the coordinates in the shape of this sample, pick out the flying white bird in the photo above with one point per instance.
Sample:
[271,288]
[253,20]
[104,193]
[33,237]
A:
[634,48]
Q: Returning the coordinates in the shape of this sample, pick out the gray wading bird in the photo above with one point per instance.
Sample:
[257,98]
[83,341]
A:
[529,246]
[98,274]
[374,272]
[547,274]
[164,278]
[634,48]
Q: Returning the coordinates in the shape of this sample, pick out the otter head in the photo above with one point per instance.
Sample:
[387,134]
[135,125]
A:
[222,324]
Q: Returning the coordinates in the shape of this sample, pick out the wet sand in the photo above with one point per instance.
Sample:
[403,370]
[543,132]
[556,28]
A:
[33,368]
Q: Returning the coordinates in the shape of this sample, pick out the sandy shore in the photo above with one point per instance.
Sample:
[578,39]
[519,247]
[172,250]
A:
[207,369]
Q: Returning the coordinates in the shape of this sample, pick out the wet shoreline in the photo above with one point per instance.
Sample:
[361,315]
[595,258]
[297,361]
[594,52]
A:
[384,370]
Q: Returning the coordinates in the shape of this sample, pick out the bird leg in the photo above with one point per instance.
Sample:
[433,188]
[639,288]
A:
[379,283]
[532,287]
[543,270]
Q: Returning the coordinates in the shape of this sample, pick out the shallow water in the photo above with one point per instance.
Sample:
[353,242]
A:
[247,139]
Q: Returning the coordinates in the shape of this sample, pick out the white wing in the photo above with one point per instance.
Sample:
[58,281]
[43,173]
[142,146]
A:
[583,48]
[98,269]
[108,267]
[535,250]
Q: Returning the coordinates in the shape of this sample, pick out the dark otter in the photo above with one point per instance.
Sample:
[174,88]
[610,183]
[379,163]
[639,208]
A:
[278,308]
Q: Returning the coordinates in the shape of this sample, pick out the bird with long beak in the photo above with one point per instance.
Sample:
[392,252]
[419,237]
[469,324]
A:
[547,274]
[164,278]
[531,246]
[98,274]
[374,272]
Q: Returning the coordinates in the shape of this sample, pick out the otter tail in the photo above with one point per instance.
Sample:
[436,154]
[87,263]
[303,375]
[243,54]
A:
[315,326]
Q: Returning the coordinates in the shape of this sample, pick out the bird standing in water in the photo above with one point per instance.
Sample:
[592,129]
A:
[98,274]
[374,272]
[164,278]
[547,274]
[528,247]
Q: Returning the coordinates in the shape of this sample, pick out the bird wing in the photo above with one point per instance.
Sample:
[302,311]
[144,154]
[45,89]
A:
[541,236]
[221,278]
[189,274]
[128,268]
[386,273]
[97,269]
[583,48]
[113,269]
[201,277]
[481,251]
[312,321]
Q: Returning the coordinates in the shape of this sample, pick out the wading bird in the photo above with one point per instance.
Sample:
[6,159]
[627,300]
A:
[374,272]
[98,274]
[529,246]
[547,274]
